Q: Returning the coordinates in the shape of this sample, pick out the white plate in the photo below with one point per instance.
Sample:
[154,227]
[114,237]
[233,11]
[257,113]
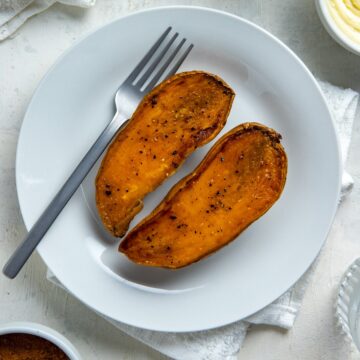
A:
[75,101]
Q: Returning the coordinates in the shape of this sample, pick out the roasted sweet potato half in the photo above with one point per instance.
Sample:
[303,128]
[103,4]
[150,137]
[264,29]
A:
[240,178]
[184,112]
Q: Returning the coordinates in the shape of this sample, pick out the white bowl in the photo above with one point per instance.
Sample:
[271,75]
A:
[333,29]
[44,332]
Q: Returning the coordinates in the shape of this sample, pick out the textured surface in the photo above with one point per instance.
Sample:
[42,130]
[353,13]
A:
[26,58]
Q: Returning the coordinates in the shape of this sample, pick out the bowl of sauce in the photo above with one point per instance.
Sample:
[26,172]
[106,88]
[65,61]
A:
[32,341]
[341,18]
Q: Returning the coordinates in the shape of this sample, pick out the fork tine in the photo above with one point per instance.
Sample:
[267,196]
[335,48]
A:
[151,68]
[157,76]
[147,57]
[174,69]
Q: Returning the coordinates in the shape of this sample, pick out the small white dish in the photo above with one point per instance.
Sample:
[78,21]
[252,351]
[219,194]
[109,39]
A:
[348,304]
[333,29]
[44,332]
[73,104]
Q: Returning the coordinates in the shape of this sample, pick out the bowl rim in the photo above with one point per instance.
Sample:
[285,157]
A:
[332,28]
[25,327]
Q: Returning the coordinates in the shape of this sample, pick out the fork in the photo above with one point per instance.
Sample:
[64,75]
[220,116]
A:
[140,81]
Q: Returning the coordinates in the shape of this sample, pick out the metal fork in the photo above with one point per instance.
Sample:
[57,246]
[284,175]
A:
[127,97]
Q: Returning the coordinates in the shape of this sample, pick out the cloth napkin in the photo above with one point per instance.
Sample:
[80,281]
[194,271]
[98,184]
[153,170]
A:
[13,13]
[224,343]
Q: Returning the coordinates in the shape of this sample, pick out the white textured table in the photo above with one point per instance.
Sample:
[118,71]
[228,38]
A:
[25,59]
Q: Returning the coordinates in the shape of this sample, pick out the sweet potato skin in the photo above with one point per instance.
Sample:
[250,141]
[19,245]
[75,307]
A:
[182,113]
[240,178]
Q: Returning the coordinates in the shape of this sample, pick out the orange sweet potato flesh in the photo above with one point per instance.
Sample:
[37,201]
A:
[240,178]
[182,113]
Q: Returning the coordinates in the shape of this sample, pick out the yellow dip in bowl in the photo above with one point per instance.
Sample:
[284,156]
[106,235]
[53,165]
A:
[346,15]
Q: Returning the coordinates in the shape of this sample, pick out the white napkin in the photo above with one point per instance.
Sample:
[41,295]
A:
[224,343]
[13,13]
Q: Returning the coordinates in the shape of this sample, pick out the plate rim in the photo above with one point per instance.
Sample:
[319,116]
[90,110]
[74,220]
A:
[271,37]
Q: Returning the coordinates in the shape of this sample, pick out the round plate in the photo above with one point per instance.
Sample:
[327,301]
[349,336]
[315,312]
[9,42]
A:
[74,103]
